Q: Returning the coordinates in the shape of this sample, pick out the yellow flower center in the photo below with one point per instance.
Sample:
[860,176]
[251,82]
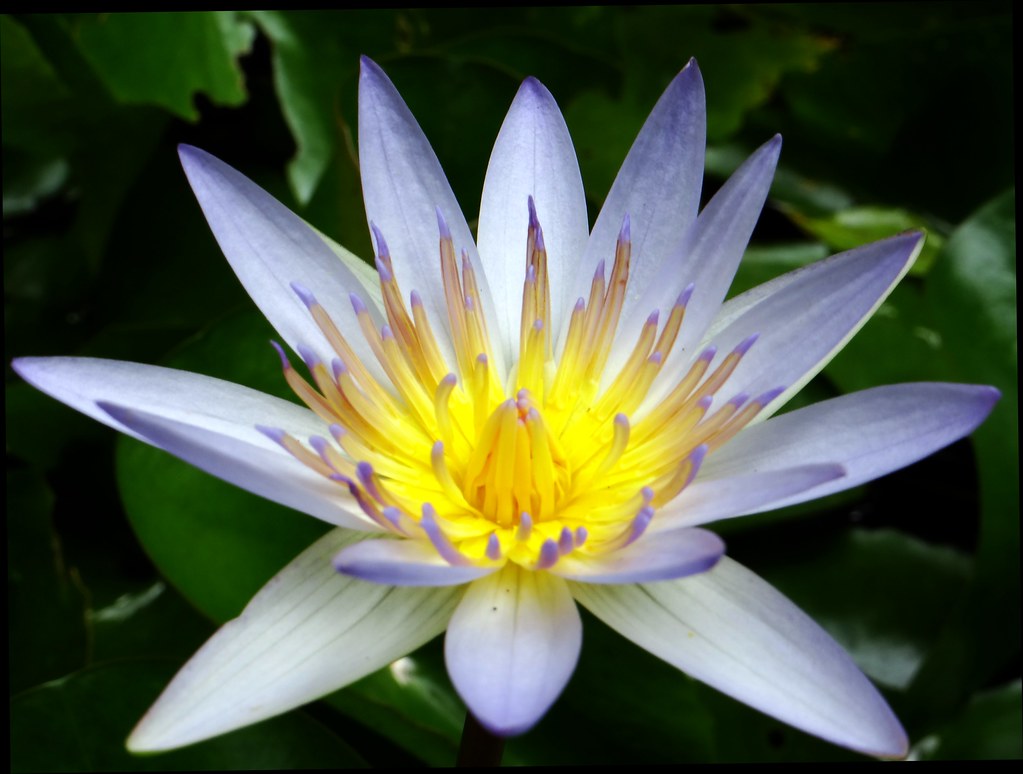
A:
[530,469]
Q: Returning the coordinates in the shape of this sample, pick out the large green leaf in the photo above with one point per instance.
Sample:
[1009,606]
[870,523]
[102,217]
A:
[989,728]
[46,607]
[165,59]
[972,289]
[79,723]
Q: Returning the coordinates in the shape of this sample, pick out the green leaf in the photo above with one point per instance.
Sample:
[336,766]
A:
[855,226]
[972,290]
[150,620]
[46,607]
[166,59]
[79,723]
[35,99]
[411,703]
[988,728]
[309,68]
[217,544]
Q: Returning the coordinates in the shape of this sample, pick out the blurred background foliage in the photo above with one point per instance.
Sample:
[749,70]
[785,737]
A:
[123,560]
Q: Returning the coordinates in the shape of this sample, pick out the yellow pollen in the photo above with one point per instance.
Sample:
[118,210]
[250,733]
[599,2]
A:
[441,452]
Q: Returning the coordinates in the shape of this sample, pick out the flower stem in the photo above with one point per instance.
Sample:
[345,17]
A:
[479,747]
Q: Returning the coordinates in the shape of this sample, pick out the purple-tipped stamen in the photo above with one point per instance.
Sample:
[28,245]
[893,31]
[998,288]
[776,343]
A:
[566,541]
[625,235]
[744,345]
[338,368]
[639,525]
[381,242]
[440,541]
[310,358]
[525,528]
[770,395]
[285,363]
[493,547]
[442,226]
[357,304]
[581,534]
[549,555]
[685,295]
[364,472]
[275,434]
[304,294]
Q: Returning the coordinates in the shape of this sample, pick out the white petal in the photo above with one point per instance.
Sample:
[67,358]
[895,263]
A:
[511,647]
[277,476]
[672,555]
[404,563]
[404,186]
[307,633]
[731,630]
[269,248]
[809,317]
[870,433]
[658,186]
[533,156]
[713,499]
[199,411]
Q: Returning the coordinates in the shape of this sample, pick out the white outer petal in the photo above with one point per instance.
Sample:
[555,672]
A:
[733,631]
[269,247]
[533,156]
[403,186]
[512,646]
[196,409]
[307,633]
[870,433]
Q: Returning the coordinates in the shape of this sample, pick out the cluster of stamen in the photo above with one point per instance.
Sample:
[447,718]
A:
[527,469]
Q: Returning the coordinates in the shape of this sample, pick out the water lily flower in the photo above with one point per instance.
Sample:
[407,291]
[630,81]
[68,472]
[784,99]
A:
[504,426]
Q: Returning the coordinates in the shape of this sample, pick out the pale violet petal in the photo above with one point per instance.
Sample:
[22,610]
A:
[217,405]
[223,413]
[672,555]
[275,475]
[270,249]
[658,187]
[707,259]
[511,647]
[870,433]
[404,563]
[713,499]
[808,319]
[310,631]
[733,631]
[404,187]
[533,156]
